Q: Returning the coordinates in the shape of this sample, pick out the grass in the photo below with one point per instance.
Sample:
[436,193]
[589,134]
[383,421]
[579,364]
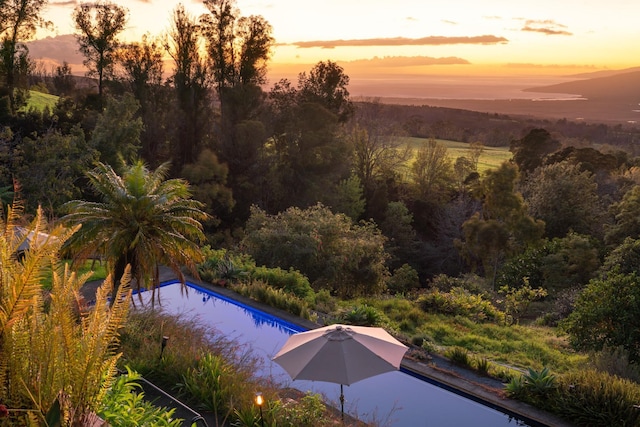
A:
[518,346]
[491,157]
[38,101]
[98,269]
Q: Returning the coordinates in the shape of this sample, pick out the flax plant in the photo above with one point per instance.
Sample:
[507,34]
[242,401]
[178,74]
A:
[57,356]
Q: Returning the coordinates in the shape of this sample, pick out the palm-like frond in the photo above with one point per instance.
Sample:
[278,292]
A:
[142,219]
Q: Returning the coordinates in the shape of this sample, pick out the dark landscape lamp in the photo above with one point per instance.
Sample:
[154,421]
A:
[260,402]
[163,345]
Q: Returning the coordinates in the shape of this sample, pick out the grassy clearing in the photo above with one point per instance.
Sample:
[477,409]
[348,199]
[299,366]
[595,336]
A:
[491,157]
[98,268]
[518,346]
[39,100]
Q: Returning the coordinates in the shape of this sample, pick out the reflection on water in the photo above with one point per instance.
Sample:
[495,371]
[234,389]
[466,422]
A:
[391,399]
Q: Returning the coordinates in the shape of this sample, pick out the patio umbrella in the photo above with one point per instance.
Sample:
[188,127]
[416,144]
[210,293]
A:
[340,354]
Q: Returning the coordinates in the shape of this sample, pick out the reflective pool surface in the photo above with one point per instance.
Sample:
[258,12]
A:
[390,399]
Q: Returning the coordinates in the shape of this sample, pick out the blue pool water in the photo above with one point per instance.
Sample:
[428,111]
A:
[391,399]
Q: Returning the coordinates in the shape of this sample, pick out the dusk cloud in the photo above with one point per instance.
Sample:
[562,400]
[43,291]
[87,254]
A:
[63,3]
[547,27]
[407,61]
[403,41]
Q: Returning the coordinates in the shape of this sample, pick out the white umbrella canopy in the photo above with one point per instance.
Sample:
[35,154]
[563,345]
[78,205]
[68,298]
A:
[340,354]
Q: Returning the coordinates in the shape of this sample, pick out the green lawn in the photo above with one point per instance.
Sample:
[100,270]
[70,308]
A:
[39,100]
[491,157]
[97,267]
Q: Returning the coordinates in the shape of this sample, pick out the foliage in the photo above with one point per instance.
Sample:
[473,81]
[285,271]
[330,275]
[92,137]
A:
[607,312]
[615,362]
[208,176]
[362,315]
[459,356]
[530,151]
[194,351]
[459,301]
[565,198]
[210,384]
[432,172]
[349,198]
[59,358]
[290,281]
[52,168]
[99,25]
[624,258]
[503,226]
[328,248]
[556,265]
[125,405]
[116,135]
[142,220]
[584,397]
[275,298]
[625,213]
[403,279]
[224,267]
[470,282]
[518,300]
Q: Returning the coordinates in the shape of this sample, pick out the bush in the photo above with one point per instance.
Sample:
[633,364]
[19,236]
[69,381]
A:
[124,405]
[403,279]
[363,315]
[591,398]
[290,281]
[276,298]
[460,302]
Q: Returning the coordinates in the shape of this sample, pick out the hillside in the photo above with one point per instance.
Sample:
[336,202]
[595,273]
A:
[623,87]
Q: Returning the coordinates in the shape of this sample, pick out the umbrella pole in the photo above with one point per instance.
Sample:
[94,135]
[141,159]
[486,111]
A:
[342,402]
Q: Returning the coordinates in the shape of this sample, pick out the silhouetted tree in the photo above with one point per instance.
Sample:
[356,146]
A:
[99,25]
[19,20]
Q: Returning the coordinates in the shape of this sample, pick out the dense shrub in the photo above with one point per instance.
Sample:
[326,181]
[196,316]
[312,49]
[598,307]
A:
[347,258]
[290,281]
[460,302]
[585,397]
[275,298]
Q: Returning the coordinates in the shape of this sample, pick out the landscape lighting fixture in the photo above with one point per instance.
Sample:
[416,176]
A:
[260,402]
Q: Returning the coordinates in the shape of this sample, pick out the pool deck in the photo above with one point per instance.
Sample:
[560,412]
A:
[486,390]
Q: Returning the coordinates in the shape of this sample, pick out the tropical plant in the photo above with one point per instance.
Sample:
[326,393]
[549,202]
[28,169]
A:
[142,220]
[57,356]
[125,405]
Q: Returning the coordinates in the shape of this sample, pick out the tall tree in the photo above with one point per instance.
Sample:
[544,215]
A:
[503,226]
[142,72]
[379,151]
[19,20]
[530,151]
[238,47]
[99,25]
[565,198]
[432,172]
[326,85]
[141,219]
[192,88]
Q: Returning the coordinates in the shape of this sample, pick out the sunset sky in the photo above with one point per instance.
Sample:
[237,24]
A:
[454,37]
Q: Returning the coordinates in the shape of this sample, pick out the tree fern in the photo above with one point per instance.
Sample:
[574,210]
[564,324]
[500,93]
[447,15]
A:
[54,353]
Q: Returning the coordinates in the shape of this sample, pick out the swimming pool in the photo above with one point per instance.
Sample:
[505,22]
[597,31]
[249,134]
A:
[391,399]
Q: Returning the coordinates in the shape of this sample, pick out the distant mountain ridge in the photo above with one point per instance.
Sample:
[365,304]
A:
[623,86]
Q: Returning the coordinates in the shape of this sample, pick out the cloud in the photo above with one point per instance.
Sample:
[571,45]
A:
[66,3]
[402,41]
[446,21]
[548,27]
[406,61]
[548,66]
